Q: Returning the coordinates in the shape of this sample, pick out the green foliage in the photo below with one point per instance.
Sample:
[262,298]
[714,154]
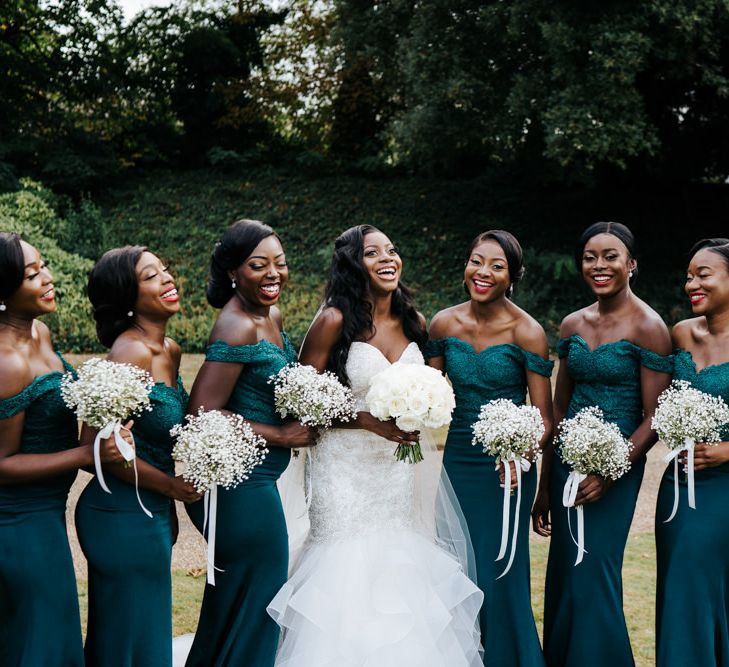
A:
[29,214]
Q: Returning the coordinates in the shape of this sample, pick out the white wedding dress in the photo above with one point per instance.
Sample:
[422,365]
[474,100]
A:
[376,584]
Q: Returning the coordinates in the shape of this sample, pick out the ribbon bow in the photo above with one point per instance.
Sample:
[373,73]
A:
[569,494]
[125,449]
[688,446]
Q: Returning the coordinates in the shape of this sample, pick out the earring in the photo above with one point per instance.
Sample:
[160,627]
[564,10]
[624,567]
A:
[630,275]
[232,284]
[130,313]
[3,307]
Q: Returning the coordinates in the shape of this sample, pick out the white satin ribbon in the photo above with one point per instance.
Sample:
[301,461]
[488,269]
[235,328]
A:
[688,446]
[520,465]
[569,494]
[210,510]
[127,452]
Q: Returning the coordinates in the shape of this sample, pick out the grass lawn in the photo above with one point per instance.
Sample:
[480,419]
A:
[639,579]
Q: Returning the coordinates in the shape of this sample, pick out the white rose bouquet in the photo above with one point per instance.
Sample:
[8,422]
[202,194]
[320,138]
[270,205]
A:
[685,416]
[315,399]
[104,395]
[589,445]
[415,396]
[217,449]
[509,432]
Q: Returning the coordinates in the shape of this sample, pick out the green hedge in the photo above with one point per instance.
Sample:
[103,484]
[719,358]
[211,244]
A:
[29,212]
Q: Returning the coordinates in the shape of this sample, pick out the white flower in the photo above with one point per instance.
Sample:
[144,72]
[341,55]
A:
[107,392]
[592,446]
[508,431]
[408,423]
[217,449]
[316,399]
[685,413]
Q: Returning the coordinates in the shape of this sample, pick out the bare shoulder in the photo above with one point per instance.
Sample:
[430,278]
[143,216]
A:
[327,324]
[652,332]
[175,351]
[683,332]
[530,336]
[129,349]
[234,327]
[442,324]
[43,332]
[571,324]
[15,372]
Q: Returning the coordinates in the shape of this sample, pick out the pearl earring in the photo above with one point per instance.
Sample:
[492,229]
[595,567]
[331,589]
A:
[3,307]
[630,275]
[232,284]
[130,313]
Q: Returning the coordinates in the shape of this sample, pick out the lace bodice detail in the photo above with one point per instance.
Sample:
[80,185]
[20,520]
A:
[498,371]
[357,484]
[609,377]
[152,428]
[49,425]
[713,379]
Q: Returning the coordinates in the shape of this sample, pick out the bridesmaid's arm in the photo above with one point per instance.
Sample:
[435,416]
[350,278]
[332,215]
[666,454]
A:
[438,329]
[216,381]
[562,395]
[324,333]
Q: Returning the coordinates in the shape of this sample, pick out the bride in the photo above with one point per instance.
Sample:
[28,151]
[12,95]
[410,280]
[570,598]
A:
[382,577]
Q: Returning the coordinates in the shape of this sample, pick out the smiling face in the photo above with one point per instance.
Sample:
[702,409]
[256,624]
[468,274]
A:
[606,264]
[36,295]
[707,282]
[157,295]
[381,263]
[486,275]
[263,273]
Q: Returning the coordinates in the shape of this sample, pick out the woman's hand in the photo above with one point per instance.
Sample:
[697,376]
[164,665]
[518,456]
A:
[180,489]
[541,523]
[707,455]
[109,452]
[387,429]
[592,488]
[294,434]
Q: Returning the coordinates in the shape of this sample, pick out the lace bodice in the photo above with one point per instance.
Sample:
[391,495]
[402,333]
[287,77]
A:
[152,428]
[498,371]
[357,484]
[252,396]
[609,377]
[713,379]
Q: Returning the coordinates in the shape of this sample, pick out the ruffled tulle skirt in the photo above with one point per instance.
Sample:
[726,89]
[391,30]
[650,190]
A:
[385,599]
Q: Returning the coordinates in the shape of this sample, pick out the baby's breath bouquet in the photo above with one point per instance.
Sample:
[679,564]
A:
[416,396]
[509,432]
[589,445]
[104,395]
[217,450]
[685,416]
[315,399]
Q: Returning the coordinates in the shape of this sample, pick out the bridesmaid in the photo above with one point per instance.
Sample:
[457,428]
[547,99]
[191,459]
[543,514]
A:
[692,609]
[247,346]
[490,348]
[39,457]
[130,589]
[616,355]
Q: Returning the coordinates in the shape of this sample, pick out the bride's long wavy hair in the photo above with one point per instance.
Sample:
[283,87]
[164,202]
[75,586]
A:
[348,289]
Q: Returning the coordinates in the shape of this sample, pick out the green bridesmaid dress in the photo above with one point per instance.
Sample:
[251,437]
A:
[583,604]
[39,615]
[251,543]
[508,632]
[129,554]
[692,604]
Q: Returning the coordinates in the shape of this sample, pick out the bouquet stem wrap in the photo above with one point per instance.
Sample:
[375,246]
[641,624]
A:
[569,494]
[520,465]
[688,446]
[125,449]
